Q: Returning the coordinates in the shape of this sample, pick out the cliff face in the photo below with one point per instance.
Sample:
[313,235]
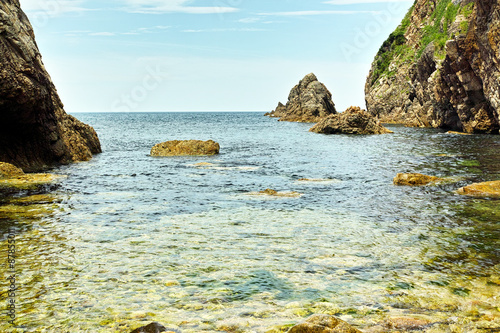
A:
[441,68]
[309,101]
[35,132]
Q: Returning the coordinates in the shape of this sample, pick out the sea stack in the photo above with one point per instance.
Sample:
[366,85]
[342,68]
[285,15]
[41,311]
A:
[308,102]
[35,131]
[440,68]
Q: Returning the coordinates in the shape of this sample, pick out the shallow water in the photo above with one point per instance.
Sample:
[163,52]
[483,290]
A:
[133,239]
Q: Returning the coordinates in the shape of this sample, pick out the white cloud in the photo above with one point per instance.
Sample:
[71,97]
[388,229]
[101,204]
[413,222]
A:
[224,30]
[320,12]
[173,6]
[104,33]
[249,20]
[352,2]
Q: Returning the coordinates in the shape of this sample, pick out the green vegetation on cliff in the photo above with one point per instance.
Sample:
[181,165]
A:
[394,45]
[395,50]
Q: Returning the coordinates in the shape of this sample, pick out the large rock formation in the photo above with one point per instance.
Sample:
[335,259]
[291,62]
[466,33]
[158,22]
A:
[351,121]
[308,102]
[440,68]
[35,132]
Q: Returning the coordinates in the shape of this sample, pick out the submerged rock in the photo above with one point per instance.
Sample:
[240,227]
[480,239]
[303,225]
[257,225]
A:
[308,102]
[486,189]
[35,131]
[274,193]
[351,121]
[322,323]
[414,179]
[185,148]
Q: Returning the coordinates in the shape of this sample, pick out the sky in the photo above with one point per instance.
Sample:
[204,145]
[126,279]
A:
[207,55]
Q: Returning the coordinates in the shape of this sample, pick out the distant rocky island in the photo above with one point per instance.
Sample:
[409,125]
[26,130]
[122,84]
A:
[35,131]
[308,102]
[311,102]
[440,68]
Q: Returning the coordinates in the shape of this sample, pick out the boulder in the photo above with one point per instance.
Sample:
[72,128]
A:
[308,102]
[35,131]
[322,323]
[351,121]
[487,189]
[8,170]
[414,179]
[151,328]
[185,148]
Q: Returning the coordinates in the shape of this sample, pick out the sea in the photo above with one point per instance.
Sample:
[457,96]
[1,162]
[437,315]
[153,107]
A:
[127,239]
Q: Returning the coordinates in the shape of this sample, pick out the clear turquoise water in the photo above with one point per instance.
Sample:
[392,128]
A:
[138,239]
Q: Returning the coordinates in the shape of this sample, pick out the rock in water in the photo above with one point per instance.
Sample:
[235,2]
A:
[308,102]
[322,323]
[35,132]
[351,121]
[440,68]
[187,147]
[8,170]
[414,179]
[151,328]
[487,189]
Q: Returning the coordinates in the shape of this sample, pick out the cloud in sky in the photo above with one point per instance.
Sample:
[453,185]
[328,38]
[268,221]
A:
[173,6]
[225,30]
[320,12]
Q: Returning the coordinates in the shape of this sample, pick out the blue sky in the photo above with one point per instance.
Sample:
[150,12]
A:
[207,55]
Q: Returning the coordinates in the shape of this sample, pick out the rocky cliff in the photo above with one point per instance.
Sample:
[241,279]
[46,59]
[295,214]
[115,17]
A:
[440,68]
[309,101]
[35,132]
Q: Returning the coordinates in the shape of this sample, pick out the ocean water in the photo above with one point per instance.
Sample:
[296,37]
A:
[126,238]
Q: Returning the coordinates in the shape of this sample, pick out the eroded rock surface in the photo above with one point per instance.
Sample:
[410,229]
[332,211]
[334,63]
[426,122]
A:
[35,131]
[186,147]
[414,179]
[486,189]
[308,102]
[352,121]
[440,68]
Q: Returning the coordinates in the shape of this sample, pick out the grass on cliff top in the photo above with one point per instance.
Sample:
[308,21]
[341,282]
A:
[391,47]
[437,31]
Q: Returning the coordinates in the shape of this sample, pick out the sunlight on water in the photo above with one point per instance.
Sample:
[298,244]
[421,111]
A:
[130,239]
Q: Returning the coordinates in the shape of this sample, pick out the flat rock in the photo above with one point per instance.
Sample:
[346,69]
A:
[486,189]
[457,133]
[414,179]
[322,323]
[308,102]
[351,121]
[29,181]
[186,148]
